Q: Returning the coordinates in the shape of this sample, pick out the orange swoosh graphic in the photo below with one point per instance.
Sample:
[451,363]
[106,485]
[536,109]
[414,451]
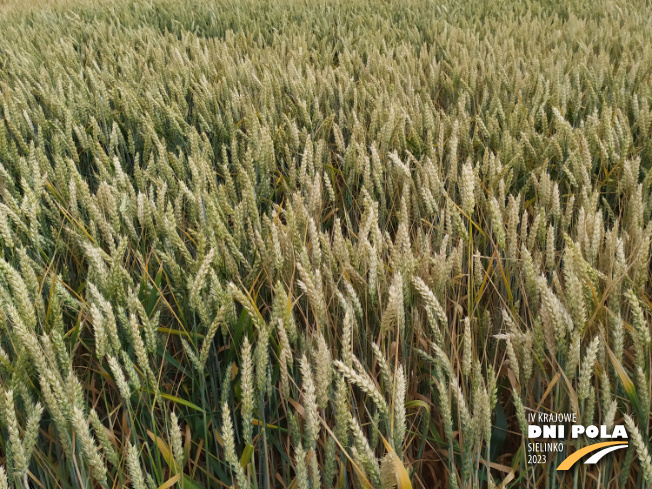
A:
[575,456]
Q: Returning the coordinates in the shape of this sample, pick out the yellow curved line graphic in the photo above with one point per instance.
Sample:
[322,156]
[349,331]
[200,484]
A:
[575,456]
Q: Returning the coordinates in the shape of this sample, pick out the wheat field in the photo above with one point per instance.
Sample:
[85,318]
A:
[322,243]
